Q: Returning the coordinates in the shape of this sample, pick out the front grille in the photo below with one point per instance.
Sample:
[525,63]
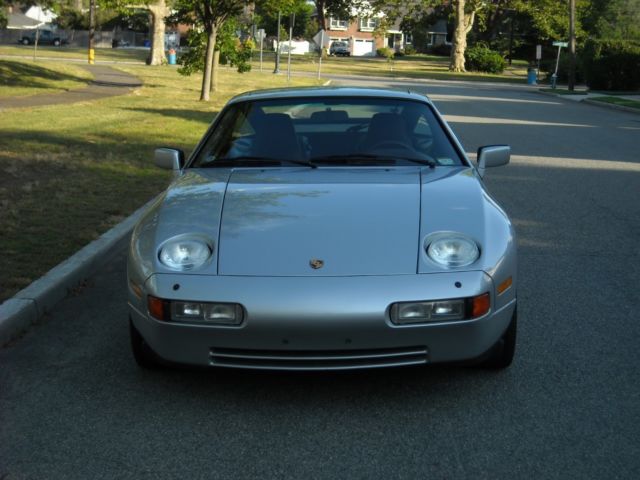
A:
[317,359]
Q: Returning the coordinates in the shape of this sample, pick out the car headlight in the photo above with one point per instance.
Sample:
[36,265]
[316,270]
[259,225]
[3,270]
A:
[451,249]
[185,253]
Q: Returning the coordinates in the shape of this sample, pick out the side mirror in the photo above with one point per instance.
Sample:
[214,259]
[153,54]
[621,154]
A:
[169,159]
[493,156]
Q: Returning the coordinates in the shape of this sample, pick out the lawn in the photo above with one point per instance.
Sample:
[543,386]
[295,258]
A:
[133,55]
[20,77]
[624,102]
[70,172]
[410,66]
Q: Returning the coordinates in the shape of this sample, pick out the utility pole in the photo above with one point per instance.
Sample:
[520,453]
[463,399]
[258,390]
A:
[572,44]
[92,31]
[277,69]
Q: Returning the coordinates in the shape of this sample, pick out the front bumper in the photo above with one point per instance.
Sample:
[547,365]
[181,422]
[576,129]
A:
[321,323]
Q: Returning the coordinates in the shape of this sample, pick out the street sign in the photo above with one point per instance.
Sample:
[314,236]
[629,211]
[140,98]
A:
[560,44]
[538,52]
[321,38]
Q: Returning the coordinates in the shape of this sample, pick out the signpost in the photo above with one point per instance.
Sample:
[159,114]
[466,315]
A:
[554,77]
[261,34]
[321,39]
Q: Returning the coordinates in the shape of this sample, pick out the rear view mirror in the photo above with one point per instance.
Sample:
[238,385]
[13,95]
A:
[169,158]
[493,156]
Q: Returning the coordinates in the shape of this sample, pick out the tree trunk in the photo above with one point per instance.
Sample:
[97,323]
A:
[215,68]
[464,23]
[320,8]
[208,65]
[158,12]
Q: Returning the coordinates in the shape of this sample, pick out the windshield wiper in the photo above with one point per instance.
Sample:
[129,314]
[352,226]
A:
[372,157]
[226,162]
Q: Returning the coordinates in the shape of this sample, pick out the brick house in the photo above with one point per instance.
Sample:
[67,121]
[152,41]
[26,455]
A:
[359,34]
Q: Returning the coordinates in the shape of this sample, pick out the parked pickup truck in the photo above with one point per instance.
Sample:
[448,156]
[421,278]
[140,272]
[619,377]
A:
[45,37]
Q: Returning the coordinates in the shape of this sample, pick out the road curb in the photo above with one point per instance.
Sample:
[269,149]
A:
[612,106]
[30,304]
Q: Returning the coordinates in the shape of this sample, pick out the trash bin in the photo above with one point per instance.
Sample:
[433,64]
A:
[172,57]
[532,76]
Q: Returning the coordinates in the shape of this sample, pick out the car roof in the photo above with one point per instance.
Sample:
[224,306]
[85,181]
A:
[329,92]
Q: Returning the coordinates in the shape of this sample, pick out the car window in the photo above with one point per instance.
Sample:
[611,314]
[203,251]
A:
[323,129]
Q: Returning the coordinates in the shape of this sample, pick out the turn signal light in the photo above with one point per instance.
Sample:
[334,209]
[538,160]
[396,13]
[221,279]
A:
[158,308]
[480,305]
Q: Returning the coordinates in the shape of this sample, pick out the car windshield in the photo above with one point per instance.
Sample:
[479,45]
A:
[335,131]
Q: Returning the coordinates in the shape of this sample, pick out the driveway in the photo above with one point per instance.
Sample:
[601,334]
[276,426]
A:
[74,405]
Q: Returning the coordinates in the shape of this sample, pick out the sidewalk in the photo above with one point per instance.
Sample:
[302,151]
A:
[107,82]
[591,98]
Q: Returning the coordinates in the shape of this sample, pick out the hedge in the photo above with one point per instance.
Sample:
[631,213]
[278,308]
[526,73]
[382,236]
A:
[482,59]
[612,65]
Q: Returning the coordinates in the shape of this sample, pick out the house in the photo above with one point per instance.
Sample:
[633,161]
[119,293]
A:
[362,36]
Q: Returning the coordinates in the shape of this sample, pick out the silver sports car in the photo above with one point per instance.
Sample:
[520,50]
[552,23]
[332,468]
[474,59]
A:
[325,229]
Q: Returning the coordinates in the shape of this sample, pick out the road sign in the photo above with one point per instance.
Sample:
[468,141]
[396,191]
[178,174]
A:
[560,44]
[321,38]
[538,52]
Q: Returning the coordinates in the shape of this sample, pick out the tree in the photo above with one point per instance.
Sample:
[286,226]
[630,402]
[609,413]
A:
[158,11]
[463,13]
[3,16]
[209,16]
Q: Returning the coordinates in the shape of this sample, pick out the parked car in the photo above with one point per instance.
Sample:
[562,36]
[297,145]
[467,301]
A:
[45,37]
[339,49]
[324,229]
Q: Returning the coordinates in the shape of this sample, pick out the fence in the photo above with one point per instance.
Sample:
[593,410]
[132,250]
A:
[102,39]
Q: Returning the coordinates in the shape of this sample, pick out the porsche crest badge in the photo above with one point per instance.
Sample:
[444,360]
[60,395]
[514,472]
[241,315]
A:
[316,263]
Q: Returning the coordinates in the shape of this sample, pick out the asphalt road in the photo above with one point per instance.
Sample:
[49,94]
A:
[74,405]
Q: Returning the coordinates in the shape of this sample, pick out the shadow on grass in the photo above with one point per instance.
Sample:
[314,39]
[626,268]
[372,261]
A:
[195,115]
[26,75]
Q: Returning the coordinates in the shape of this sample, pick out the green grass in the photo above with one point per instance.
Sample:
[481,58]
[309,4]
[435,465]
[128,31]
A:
[70,172]
[413,66]
[26,77]
[625,102]
[136,55]
[562,91]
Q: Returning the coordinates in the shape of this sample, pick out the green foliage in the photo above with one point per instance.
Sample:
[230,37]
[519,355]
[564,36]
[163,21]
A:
[233,51]
[548,65]
[267,18]
[71,19]
[410,50]
[480,58]
[385,52]
[3,15]
[612,65]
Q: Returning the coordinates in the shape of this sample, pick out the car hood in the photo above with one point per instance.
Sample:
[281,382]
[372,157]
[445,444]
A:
[342,221]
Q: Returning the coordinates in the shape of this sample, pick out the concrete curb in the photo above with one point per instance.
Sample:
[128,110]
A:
[612,106]
[30,304]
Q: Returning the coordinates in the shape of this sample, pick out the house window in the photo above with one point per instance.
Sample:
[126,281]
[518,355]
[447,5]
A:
[337,24]
[368,24]
[408,38]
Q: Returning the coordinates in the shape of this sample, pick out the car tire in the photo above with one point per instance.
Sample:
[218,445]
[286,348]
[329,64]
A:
[501,354]
[25,41]
[56,43]
[144,356]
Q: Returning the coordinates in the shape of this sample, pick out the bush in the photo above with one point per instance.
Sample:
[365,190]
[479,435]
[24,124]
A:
[442,50]
[612,65]
[410,50]
[549,66]
[385,52]
[481,59]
